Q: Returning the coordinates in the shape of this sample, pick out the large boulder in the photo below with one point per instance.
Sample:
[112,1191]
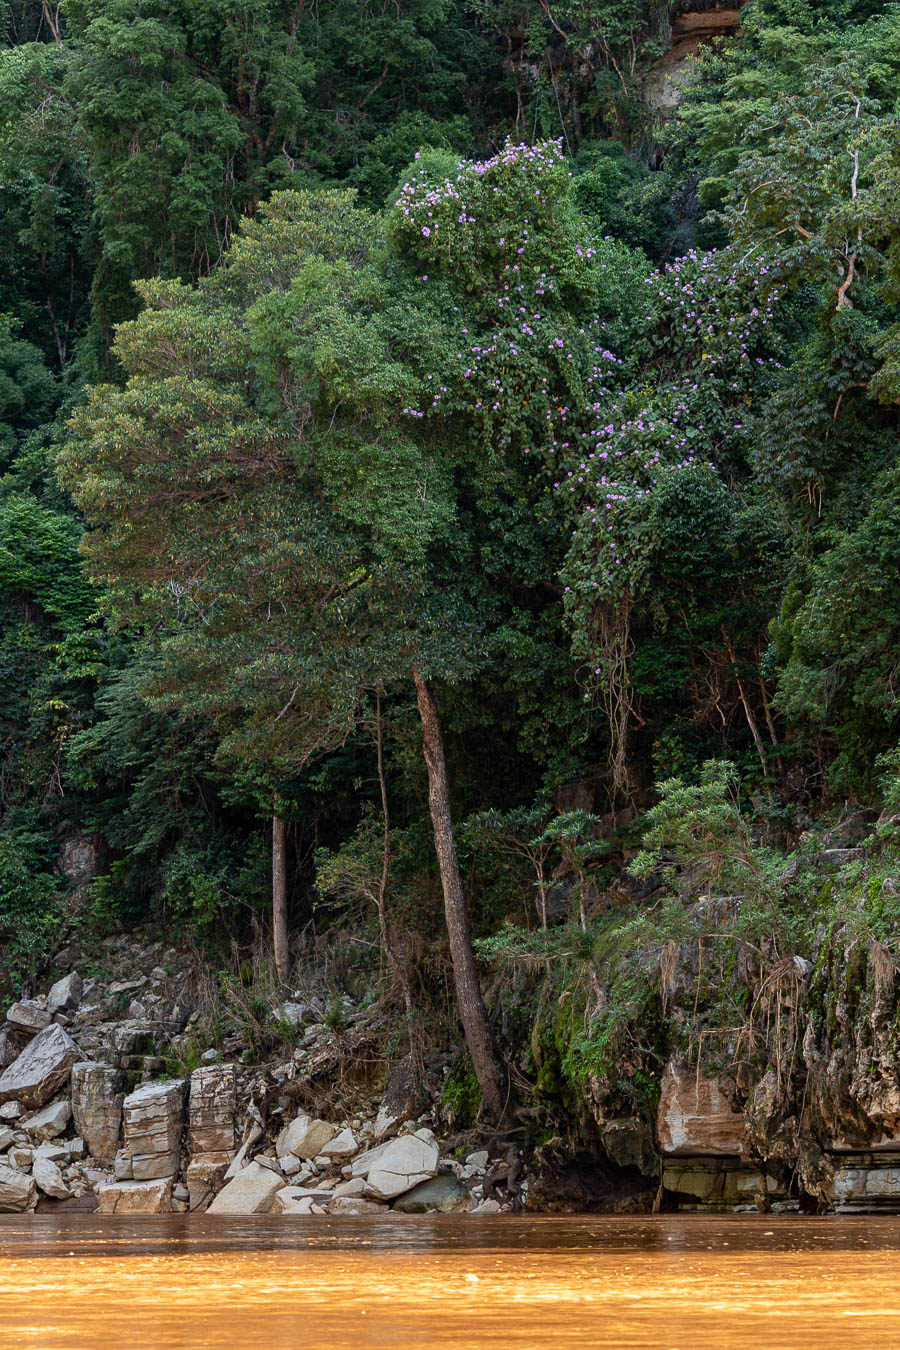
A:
[136,1197]
[252,1191]
[304,1138]
[97,1099]
[65,995]
[41,1069]
[695,1118]
[48,1122]
[61,1150]
[444,1193]
[363,1164]
[154,1118]
[341,1147]
[18,1192]
[212,1112]
[50,1179]
[29,1015]
[403,1164]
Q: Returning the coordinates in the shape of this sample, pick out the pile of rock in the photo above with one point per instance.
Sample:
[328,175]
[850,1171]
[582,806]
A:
[81,1125]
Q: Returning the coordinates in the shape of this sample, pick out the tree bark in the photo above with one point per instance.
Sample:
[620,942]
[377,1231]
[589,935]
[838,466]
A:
[279,899]
[490,1070]
[387,946]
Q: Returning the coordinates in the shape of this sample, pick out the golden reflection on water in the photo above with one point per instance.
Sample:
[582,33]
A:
[671,1283]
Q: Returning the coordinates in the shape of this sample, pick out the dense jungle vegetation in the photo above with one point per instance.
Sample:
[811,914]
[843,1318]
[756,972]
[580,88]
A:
[378,377]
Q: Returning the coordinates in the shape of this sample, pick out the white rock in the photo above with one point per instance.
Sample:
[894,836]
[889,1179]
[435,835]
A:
[21,1157]
[252,1191]
[404,1163]
[355,1186]
[153,1119]
[304,1138]
[49,1178]
[60,1150]
[290,1195]
[290,1165]
[303,1206]
[361,1166]
[29,1015]
[136,1197]
[48,1122]
[65,995]
[486,1207]
[41,1069]
[10,1111]
[343,1145]
[477,1159]
[7,1137]
[212,1110]
[18,1192]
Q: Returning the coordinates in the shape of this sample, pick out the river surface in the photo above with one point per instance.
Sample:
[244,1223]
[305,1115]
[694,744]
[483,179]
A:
[690,1282]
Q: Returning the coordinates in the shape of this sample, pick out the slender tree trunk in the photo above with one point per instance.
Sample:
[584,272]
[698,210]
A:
[490,1070]
[279,898]
[748,711]
[387,946]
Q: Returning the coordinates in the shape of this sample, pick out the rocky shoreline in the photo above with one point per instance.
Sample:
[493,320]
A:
[226,1139]
[109,1101]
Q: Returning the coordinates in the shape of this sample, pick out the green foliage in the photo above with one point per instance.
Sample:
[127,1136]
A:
[419,339]
[29,910]
[701,826]
[461,1095]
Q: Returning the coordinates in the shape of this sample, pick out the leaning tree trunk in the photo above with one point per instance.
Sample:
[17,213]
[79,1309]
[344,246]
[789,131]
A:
[490,1070]
[279,899]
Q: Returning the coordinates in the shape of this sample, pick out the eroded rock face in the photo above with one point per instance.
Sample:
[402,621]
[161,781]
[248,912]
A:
[153,1119]
[136,1197]
[695,1117]
[97,1099]
[252,1191]
[41,1069]
[18,1191]
[212,1111]
[403,1164]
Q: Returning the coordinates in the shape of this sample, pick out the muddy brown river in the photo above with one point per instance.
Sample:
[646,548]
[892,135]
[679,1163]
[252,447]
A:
[672,1283]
